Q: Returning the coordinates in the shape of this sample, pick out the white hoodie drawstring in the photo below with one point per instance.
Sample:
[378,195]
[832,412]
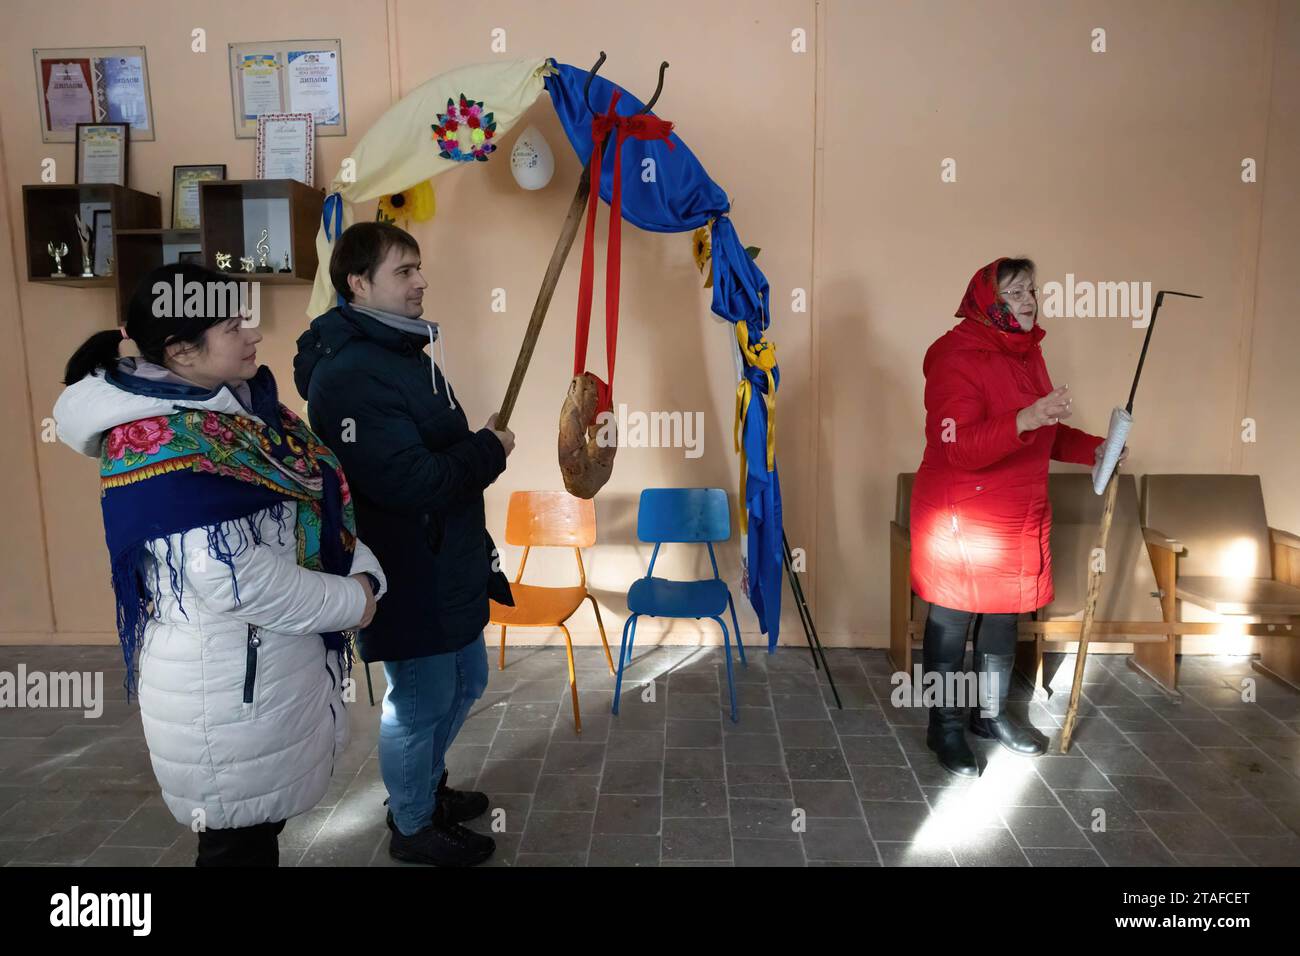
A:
[442,351]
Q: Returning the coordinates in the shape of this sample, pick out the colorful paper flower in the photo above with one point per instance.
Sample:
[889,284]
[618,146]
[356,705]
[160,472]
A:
[472,143]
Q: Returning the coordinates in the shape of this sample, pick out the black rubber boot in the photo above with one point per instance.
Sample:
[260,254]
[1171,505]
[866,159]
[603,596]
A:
[993,672]
[946,735]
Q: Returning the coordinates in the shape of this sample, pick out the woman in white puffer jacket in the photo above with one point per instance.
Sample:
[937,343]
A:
[241,694]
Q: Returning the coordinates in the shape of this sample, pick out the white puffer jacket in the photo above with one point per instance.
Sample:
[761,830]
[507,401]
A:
[242,704]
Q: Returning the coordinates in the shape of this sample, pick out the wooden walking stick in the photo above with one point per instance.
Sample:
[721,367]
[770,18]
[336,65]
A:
[549,281]
[1095,571]
[558,256]
[1121,420]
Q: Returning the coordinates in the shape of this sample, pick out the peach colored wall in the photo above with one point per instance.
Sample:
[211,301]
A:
[1114,166]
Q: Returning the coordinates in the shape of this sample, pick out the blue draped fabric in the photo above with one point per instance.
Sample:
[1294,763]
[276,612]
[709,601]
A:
[683,198]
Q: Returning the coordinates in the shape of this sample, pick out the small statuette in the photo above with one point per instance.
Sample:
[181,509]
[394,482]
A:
[285,267]
[57,252]
[246,263]
[223,261]
[84,232]
[263,247]
[108,266]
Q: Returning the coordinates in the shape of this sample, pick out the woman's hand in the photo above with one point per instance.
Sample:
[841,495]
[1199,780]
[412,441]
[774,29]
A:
[1096,455]
[1048,410]
[370,600]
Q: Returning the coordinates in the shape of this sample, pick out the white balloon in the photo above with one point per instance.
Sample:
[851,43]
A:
[531,159]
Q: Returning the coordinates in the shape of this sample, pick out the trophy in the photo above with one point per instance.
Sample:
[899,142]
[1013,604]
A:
[285,267]
[245,263]
[223,261]
[84,232]
[57,252]
[263,247]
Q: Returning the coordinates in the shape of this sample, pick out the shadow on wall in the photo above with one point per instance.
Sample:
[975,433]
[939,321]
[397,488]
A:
[888,421]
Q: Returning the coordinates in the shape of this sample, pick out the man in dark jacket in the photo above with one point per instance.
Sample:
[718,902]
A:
[416,474]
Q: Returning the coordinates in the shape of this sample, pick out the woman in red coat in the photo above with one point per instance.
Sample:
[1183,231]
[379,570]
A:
[980,516]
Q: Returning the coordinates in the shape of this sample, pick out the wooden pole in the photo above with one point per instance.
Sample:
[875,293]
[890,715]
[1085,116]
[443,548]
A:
[544,294]
[1090,608]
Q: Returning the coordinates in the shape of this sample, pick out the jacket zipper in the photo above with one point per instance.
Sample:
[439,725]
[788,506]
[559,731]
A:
[334,717]
[250,667]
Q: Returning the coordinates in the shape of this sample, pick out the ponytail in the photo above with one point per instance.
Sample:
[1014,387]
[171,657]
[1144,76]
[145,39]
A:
[97,352]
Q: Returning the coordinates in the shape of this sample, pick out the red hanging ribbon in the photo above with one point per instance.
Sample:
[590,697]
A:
[641,126]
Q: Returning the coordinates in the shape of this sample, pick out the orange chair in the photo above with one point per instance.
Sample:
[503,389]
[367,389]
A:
[553,519]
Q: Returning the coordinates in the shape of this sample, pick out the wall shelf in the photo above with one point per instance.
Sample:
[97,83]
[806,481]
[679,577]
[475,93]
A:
[49,213]
[232,214]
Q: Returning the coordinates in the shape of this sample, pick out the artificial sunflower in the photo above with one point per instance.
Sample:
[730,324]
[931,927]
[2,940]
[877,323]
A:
[416,204]
[702,250]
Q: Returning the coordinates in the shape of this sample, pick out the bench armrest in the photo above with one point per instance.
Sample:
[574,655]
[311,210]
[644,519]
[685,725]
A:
[1159,539]
[1284,538]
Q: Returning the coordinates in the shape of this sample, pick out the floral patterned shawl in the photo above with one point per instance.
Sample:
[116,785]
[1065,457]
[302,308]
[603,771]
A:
[198,468]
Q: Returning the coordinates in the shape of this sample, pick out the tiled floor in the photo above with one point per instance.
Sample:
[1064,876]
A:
[1211,780]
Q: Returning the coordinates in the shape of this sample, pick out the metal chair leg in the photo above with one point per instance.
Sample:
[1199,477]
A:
[739,645]
[573,681]
[601,624]
[731,677]
[622,659]
[631,638]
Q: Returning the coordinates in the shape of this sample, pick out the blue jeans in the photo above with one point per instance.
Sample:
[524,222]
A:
[426,703]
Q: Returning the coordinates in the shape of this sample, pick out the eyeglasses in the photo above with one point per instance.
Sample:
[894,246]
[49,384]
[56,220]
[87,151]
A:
[1027,292]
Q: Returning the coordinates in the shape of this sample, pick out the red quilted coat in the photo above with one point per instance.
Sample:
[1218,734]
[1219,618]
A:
[980,516]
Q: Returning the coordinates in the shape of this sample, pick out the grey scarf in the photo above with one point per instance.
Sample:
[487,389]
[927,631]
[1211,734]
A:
[405,323]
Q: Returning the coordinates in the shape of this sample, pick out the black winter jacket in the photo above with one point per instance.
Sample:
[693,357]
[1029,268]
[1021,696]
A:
[416,474]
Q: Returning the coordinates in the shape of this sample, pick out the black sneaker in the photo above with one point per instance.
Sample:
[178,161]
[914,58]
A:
[460,805]
[455,806]
[440,844]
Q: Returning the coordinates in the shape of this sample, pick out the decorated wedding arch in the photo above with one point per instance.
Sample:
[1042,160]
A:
[458,119]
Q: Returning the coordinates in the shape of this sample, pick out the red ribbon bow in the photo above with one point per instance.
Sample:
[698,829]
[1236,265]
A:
[641,126]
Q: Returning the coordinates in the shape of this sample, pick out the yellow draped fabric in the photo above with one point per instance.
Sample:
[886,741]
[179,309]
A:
[400,151]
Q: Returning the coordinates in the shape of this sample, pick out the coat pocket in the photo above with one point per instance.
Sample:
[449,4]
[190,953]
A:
[250,669]
[964,489]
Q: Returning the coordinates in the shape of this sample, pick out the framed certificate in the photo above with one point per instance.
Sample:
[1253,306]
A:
[92,85]
[286,146]
[103,242]
[102,152]
[294,76]
[185,192]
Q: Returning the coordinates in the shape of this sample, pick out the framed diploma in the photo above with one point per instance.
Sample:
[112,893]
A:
[185,192]
[287,76]
[102,152]
[103,242]
[92,85]
[286,146]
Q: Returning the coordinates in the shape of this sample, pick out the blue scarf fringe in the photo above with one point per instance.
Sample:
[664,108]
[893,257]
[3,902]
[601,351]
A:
[131,566]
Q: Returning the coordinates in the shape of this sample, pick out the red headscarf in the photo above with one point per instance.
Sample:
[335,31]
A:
[982,302]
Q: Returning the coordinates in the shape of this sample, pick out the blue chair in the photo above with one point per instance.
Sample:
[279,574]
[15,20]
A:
[681,515]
